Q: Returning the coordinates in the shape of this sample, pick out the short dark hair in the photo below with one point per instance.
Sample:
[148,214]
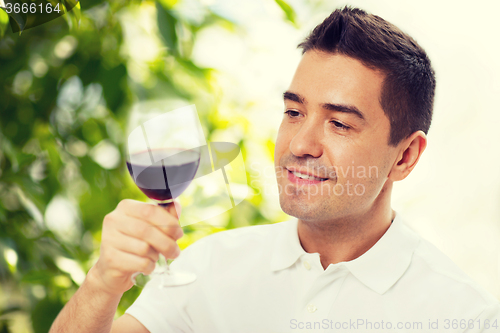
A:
[407,94]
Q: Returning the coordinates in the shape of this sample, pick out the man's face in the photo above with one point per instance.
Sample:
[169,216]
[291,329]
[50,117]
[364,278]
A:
[335,130]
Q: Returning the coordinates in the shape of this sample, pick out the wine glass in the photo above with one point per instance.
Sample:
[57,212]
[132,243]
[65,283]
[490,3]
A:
[164,149]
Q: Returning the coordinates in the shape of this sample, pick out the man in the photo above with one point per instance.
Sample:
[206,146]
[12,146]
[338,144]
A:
[356,117]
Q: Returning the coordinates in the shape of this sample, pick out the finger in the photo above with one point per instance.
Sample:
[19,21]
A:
[149,234]
[128,263]
[129,244]
[154,215]
[174,208]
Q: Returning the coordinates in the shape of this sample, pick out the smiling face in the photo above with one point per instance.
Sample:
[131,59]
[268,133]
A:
[332,155]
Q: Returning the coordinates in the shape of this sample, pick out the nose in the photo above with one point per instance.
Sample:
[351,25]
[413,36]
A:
[307,141]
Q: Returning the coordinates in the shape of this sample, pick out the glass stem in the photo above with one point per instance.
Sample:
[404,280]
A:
[167,268]
[164,269]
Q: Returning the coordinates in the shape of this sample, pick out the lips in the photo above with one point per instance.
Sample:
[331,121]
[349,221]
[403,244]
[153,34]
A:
[307,176]
[303,176]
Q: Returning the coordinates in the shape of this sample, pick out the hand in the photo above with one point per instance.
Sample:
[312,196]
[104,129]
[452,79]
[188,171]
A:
[133,235]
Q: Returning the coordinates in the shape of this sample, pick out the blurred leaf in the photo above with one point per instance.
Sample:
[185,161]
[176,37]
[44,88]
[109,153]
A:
[167,26]
[73,12]
[71,4]
[44,313]
[9,309]
[90,3]
[111,81]
[4,21]
[36,277]
[17,21]
[288,10]
[169,3]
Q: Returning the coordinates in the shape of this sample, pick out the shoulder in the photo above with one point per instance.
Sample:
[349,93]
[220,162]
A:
[439,288]
[447,286]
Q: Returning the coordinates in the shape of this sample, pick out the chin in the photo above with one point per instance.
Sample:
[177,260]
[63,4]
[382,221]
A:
[301,210]
[318,210]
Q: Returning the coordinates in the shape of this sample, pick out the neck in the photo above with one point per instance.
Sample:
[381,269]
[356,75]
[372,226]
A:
[347,237]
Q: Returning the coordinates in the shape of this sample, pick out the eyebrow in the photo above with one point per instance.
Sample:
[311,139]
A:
[288,95]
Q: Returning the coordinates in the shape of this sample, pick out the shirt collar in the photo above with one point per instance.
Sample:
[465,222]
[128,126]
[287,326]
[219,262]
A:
[378,268]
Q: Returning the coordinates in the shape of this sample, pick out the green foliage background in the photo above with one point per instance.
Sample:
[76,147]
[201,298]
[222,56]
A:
[65,88]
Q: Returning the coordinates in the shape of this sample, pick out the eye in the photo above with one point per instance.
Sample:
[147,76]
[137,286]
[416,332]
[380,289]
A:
[292,113]
[339,125]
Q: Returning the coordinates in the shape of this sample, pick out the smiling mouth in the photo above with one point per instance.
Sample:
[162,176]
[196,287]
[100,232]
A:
[306,176]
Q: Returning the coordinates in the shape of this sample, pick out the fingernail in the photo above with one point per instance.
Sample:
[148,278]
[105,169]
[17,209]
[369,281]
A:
[177,252]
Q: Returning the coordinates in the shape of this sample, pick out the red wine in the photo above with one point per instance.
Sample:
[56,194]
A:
[168,177]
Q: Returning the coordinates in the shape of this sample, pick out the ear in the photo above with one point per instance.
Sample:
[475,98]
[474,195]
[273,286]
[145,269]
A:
[409,153]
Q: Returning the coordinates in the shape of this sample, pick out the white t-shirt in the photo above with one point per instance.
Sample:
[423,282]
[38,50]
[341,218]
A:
[259,279]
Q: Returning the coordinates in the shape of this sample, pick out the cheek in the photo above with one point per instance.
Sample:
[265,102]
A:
[356,164]
[282,143]
[370,173]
